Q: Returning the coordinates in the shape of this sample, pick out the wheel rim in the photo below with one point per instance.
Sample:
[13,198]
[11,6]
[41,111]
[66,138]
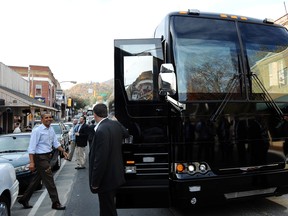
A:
[59,161]
[3,209]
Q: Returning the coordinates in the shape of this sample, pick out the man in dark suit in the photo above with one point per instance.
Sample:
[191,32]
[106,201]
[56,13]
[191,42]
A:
[81,138]
[106,169]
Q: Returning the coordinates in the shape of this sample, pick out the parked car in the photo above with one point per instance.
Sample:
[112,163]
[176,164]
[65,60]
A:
[69,127]
[13,150]
[9,187]
[62,135]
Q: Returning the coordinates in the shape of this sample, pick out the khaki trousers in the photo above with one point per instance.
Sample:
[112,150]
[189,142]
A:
[72,149]
[81,156]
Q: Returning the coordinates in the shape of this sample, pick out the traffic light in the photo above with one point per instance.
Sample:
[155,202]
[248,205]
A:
[69,102]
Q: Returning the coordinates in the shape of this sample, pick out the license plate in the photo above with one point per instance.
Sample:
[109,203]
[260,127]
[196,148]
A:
[148,159]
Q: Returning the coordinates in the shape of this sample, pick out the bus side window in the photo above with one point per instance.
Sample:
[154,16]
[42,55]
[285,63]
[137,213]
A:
[138,77]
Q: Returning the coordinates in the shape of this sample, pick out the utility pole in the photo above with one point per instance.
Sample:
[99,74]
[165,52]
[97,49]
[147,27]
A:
[29,81]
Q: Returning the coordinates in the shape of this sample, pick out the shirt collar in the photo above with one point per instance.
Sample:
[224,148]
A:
[99,123]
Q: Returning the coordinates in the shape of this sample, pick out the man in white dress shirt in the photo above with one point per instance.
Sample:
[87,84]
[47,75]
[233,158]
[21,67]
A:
[43,138]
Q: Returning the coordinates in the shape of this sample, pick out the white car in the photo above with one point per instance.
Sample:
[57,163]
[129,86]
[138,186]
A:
[69,127]
[9,187]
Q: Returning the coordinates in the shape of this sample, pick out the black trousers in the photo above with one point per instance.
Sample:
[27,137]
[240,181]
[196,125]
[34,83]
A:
[107,203]
[44,173]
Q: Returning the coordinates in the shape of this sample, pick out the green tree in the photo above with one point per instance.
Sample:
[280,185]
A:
[80,103]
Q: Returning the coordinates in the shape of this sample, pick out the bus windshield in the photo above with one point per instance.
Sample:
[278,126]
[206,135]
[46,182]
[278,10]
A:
[266,50]
[207,57]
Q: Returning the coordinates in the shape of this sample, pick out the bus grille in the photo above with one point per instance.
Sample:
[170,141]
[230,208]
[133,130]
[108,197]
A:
[151,164]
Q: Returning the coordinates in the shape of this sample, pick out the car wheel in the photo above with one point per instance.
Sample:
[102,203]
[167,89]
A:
[67,147]
[4,206]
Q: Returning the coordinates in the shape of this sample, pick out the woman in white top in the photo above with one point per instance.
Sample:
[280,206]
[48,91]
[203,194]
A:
[17,128]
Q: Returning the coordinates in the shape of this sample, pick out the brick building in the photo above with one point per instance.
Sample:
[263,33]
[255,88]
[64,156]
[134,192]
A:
[15,103]
[42,83]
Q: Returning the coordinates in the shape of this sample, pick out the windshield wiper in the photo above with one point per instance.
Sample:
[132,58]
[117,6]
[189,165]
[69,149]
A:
[267,97]
[231,88]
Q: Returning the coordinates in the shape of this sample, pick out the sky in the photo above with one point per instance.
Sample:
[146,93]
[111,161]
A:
[75,38]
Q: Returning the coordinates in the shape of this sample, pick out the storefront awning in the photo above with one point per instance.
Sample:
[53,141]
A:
[16,99]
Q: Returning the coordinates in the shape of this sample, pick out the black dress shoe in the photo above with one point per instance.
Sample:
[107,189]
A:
[80,167]
[58,206]
[25,204]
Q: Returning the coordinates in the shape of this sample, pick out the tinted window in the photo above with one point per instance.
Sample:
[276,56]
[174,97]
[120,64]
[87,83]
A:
[141,61]
[206,56]
[266,48]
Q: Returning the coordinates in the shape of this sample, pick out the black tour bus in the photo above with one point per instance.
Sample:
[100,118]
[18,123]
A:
[205,102]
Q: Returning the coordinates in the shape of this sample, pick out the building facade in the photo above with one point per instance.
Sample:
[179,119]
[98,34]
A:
[42,83]
[16,105]
[283,20]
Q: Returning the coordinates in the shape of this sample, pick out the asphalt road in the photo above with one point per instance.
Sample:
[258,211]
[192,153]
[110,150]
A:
[74,192]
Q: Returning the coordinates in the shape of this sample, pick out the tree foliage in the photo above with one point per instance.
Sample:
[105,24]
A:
[87,94]
[79,102]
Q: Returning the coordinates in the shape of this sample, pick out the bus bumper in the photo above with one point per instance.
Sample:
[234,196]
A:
[223,188]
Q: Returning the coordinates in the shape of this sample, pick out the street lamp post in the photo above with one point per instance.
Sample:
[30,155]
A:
[73,82]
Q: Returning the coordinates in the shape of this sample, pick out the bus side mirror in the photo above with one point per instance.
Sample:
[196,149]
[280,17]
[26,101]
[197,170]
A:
[167,80]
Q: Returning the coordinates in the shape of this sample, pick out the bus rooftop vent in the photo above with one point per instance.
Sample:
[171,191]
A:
[193,11]
[268,20]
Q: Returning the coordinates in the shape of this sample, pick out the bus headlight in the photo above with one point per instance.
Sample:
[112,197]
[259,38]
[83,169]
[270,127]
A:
[130,169]
[202,167]
[191,168]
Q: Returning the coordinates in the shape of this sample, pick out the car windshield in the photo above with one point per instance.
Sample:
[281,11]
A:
[57,129]
[14,143]
[68,126]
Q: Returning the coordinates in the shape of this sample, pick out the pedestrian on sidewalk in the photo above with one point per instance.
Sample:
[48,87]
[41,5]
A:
[81,136]
[17,128]
[73,139]
[106,169]
[43,138]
